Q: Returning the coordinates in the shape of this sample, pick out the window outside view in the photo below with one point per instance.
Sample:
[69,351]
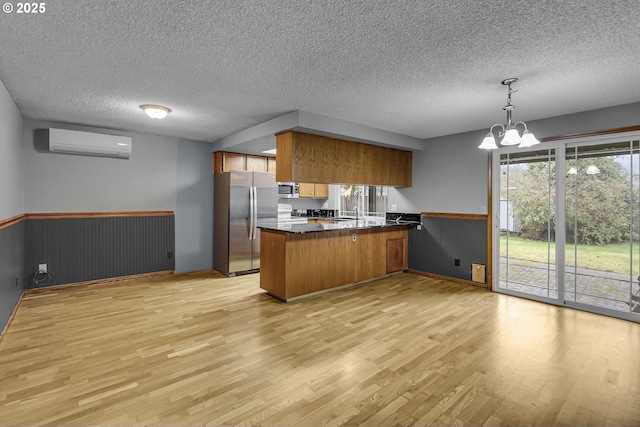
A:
[366,200]
[601,205]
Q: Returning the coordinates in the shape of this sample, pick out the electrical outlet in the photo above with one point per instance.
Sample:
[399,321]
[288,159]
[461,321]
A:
[353,237]
[42,268]
[456,262]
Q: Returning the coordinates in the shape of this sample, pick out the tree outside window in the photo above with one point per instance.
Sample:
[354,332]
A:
[370,200]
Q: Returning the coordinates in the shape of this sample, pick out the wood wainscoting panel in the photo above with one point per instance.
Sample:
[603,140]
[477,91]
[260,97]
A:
[5,223]
[80,247]
[68,215]
[445,237]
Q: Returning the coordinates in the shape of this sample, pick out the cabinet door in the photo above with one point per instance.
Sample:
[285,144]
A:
[321,191]
[225,162]
[307,190]
[271,164]
[396,260]
[233,162]
[256,163]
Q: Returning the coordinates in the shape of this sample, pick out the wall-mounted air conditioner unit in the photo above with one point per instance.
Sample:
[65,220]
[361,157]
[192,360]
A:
[89,143]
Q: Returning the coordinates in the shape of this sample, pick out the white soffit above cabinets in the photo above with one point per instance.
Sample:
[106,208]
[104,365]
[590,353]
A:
[416,68]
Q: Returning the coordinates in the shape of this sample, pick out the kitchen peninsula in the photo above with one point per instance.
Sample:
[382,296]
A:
[305,258]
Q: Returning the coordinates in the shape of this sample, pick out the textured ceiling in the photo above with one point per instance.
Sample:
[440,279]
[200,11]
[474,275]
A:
[419,68]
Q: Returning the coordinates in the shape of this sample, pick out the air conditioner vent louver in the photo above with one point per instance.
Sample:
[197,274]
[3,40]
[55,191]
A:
[89,143]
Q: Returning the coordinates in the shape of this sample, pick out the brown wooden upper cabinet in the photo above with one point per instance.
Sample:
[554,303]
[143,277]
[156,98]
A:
[305,157]
[271,164]
[318,191]
[321,191]
[224,161]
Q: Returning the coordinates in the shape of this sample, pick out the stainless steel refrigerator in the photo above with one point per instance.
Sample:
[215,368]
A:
[242,200]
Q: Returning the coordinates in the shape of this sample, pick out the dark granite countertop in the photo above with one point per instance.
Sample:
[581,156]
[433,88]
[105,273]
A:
[300,227]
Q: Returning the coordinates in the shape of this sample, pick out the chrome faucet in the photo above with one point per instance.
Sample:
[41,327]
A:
[355,209]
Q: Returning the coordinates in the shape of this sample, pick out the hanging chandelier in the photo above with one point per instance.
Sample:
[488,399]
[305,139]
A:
[509,133]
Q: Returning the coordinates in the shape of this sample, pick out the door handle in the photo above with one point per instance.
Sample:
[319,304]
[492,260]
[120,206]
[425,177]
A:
[251,213]
[255,213]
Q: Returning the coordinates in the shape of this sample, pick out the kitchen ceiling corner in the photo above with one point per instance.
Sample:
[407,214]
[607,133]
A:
[421,69]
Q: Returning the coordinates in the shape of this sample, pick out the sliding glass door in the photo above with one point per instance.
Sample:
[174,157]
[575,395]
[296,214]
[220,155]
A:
[602,218]
[567,224]
[527,223]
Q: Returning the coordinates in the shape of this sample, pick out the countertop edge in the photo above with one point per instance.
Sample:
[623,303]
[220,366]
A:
[323,230]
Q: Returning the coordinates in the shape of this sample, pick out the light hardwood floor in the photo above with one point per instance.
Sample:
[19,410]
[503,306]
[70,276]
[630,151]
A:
[202,349]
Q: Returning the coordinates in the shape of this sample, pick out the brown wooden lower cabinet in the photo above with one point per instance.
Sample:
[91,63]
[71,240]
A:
[292,265]
[396,254]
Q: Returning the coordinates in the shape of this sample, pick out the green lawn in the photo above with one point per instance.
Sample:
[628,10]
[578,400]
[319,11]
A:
[614,258]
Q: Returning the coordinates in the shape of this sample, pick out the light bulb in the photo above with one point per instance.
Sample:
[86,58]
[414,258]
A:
[155,111]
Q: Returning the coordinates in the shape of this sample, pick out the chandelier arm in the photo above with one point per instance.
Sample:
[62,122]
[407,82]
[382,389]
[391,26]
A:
[523,124]
[501,132]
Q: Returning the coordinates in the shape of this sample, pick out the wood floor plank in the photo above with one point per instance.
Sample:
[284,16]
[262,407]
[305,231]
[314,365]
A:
[406,350]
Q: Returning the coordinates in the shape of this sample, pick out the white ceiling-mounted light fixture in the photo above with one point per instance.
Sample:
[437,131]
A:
[155,111]
[509,132]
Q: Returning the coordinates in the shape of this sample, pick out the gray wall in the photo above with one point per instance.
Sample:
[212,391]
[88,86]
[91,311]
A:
[71,183]
[12,254]
[194,212]
[12,245]
[450,175]
[435,247]
[11,158]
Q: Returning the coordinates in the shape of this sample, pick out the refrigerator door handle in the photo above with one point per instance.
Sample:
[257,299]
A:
[251,212]
[255,213]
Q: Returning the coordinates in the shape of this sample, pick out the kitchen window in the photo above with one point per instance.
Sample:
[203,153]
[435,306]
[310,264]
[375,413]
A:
[369,200]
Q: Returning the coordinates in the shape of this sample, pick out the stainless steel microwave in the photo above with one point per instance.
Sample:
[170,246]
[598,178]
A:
[288,190]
